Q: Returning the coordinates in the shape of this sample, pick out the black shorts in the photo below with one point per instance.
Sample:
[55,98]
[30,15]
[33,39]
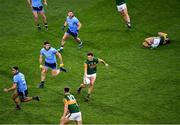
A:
[23,95]
[40,8]
[50,65]
[72,34]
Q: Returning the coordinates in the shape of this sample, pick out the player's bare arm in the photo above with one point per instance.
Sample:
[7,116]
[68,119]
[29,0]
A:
[14,86]
[79,25]
[60,58]
[40,60]
[103,62]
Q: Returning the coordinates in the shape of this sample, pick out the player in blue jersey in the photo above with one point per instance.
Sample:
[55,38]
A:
[37,8]
[74,26]
[20,87]
[49,53]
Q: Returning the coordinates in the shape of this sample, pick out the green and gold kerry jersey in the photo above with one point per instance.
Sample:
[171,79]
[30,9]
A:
[120,2]
[72,104]
[91,66]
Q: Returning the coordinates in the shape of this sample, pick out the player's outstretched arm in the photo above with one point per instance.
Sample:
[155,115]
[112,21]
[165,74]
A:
[40,61]
[60,59]
[103,62]
[11,88]
[29,2]
[63,27]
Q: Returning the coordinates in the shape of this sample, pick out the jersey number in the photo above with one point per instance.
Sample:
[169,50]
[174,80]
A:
[71,97]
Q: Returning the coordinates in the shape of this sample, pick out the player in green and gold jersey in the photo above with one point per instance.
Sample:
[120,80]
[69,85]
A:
[154,42]
[71,109]
[90,72]
[122,8]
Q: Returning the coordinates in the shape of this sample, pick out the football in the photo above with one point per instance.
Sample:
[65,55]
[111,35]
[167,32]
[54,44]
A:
[87,81]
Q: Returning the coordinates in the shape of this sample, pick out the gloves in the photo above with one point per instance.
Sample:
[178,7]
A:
[40,66]
[61,65]
[106,65]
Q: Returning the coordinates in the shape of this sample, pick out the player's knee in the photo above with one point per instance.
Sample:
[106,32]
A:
[64,38]
[145,44]
[83,85]
[35,17]
[22,100]
[43,71]
[123,13]
[54,74]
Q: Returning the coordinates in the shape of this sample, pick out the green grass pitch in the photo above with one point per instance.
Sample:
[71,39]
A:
[140,86]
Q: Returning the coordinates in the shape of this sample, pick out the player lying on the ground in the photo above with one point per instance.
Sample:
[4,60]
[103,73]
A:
[37,8]
[153,42]
[122,8]
[90,73]
[20,88]
[74,26]
[71,109]
[49,53]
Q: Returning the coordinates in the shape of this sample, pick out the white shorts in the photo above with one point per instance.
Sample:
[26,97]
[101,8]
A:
[121,7]
[87,79]
[92,75]
[74,116]
[156,42]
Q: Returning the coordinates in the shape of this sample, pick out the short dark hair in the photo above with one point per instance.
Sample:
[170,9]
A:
[66,89]
[90,54]
[70,11]
[46,42]
[168,41]
[15,67]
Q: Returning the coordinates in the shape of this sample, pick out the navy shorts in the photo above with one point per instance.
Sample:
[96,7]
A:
[72,34]
[50,65]
[38,9]
[23,95]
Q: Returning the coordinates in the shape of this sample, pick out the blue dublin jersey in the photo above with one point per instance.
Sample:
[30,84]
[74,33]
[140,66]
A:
[50,55]
[72,24]
[36,3]
[19,79]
